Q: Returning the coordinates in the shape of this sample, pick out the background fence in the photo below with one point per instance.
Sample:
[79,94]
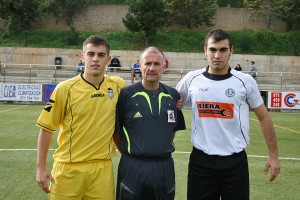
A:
[53,74]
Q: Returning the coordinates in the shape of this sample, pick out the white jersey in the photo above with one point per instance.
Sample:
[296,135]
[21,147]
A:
[220,106]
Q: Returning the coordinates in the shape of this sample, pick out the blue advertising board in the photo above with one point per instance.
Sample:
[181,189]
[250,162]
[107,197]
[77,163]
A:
[48,89]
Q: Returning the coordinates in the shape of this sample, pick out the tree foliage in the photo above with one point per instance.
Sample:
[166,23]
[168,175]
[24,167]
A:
[145,17]
[192,13]
[286,10]
[289,12]
[261,9]
[69,8]
[19,15]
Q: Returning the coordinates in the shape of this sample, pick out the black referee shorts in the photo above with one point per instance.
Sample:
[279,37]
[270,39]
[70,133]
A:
[211,177]
[150,179]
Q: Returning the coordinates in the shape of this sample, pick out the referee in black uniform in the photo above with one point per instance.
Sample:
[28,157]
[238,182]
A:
[147,119]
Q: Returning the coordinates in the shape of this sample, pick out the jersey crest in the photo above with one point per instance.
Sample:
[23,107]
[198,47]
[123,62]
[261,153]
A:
[110,93]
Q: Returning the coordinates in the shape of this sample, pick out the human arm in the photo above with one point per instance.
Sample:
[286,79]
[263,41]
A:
[173,135]
[268,130]
[42,173]
[117,140]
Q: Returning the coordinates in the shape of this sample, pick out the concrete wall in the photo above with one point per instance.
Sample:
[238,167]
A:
[46,56]
[109,18]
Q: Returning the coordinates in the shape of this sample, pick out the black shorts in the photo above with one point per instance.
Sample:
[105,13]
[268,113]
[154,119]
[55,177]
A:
[140,179]
[211,177]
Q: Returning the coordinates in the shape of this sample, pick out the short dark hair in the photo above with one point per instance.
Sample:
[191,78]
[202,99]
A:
[218,35]
[252,62]
[97,40]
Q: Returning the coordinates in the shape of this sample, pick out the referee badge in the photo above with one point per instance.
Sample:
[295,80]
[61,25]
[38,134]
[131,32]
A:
[171,116]
[110,93]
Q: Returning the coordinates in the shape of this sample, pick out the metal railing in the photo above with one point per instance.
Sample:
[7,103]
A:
[40,73]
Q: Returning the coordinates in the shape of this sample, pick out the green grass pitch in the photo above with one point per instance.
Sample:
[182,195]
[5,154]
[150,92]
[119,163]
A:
[18,138]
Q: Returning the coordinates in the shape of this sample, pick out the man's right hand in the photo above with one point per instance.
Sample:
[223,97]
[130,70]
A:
[42,176]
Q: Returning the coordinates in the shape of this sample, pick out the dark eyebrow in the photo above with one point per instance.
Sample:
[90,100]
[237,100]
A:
[224,48]
[221,49]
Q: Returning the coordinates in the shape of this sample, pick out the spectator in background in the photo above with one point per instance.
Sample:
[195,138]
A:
[79,67]
[136,70]
[238,67]
[253,70]
[167,64]
[115,62]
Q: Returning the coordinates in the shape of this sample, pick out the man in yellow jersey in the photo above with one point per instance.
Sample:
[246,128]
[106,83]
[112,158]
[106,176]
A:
[83,108]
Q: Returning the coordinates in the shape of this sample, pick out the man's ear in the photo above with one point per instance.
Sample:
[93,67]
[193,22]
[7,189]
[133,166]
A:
[108,59]
[82,57]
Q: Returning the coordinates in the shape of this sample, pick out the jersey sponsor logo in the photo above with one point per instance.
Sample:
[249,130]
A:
[203,89]
[215,110]
[137,115]
[49,105]
[97,95]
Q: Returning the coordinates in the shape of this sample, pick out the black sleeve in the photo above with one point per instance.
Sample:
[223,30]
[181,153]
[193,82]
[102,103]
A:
[180,124]
[120,111]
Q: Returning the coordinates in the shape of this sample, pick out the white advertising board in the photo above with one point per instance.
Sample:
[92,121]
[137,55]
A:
[21,92]
[284,100]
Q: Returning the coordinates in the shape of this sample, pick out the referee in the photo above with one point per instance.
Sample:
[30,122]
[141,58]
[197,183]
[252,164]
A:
[147,119]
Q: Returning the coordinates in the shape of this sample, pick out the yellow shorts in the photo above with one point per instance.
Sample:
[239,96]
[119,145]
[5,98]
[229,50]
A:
[87,180]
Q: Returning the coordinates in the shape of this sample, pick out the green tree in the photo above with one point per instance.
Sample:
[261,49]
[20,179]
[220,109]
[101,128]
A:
[289,12]
[19,15]
[68,8]
[286,10]
[145,17]
[192,13]
[261,9]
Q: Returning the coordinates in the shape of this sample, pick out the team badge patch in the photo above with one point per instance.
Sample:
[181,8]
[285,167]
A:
[110,93]
[171,116]
[230,92]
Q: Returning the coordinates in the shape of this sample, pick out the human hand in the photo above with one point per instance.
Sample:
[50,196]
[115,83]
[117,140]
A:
[42,176]
[179,103]
[273,163]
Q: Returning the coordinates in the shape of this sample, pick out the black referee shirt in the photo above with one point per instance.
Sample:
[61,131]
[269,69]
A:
[147,119]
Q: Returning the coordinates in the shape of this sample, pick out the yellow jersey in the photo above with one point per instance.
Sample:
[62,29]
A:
[86,118]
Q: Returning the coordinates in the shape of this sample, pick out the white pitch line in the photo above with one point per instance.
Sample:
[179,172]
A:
[2,111]
[176,152]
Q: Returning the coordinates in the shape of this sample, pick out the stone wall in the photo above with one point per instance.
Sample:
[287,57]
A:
[109,18]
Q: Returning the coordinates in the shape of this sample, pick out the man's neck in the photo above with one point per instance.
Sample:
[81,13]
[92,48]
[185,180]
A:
[150,85]
[95,80]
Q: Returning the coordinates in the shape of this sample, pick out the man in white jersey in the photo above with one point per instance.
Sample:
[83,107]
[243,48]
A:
[220,98]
